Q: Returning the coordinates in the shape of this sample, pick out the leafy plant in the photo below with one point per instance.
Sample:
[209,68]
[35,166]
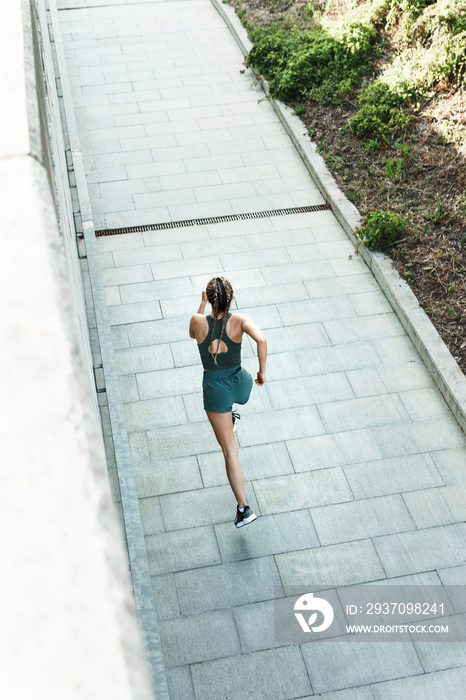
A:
[299,109]
[382,229]
[373,145]
[394,168]
[435,214]
[405,149]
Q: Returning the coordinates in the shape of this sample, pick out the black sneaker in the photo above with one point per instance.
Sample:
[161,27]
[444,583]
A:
[245,517]
[235,416]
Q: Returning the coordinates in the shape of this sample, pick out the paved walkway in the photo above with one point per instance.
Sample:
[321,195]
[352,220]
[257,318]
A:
[351,457]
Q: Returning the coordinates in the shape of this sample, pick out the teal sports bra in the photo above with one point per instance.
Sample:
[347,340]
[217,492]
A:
[225,360]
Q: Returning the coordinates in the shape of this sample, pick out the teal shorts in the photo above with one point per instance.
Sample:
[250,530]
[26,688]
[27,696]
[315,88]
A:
[224,387]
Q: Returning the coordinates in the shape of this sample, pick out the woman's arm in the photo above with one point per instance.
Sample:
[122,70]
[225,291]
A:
[249,327]
[200,310]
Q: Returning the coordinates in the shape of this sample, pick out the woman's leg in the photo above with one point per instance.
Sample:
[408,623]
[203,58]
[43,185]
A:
[222,425]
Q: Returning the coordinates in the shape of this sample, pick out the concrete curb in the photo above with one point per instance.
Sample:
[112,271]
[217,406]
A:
[435,354]
[140,574]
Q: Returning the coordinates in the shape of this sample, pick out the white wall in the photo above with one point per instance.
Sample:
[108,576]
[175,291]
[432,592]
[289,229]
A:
[68,622]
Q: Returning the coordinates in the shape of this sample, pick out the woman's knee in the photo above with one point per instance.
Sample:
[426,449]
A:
[229,449]
[223,429]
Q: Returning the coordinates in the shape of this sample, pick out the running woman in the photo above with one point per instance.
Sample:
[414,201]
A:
[225,382]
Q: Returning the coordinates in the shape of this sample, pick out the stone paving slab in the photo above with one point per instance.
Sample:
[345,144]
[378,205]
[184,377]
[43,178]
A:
[228,585]
[145,415]
[191,509]
[180,685]
[392,475]
[422,550]
[281,425]
[288,393]
[143,359]
[333,665]
[182,550]
[364,518]
[155,332]
[441,656]
[165,596]
[333,564]
[368,382]
[162,476]
[333,450]
[180,636]
[450,463]
[437,507]
[271,294]
[350,414]
[305,490]
[271,675]
[443,685]
[353,461]
[274,534]
[255,624]
[142,311]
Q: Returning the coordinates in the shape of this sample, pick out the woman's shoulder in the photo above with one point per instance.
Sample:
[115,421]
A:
[198,318]
[236,323]
[198,322]
[240,318]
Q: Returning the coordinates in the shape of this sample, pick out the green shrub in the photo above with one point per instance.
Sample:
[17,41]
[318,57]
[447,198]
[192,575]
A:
[382,229]
[379,113]
[379,92]
[379,120]
[300,64]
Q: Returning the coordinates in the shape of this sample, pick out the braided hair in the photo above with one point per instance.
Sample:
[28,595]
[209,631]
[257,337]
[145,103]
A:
[219,293]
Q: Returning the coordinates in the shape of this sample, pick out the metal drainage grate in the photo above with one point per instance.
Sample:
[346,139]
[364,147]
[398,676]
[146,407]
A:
[213,220]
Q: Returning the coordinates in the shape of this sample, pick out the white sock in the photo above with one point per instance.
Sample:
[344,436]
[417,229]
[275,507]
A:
[241,510]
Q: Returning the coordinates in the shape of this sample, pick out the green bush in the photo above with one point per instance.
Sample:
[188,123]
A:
[303,64]
[380,93]
[382,229]
[378,114]
[379,120]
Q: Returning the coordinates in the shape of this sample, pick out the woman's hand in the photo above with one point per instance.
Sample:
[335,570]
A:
[260,379]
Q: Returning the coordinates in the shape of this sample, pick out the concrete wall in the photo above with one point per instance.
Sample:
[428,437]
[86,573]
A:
[69,627]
